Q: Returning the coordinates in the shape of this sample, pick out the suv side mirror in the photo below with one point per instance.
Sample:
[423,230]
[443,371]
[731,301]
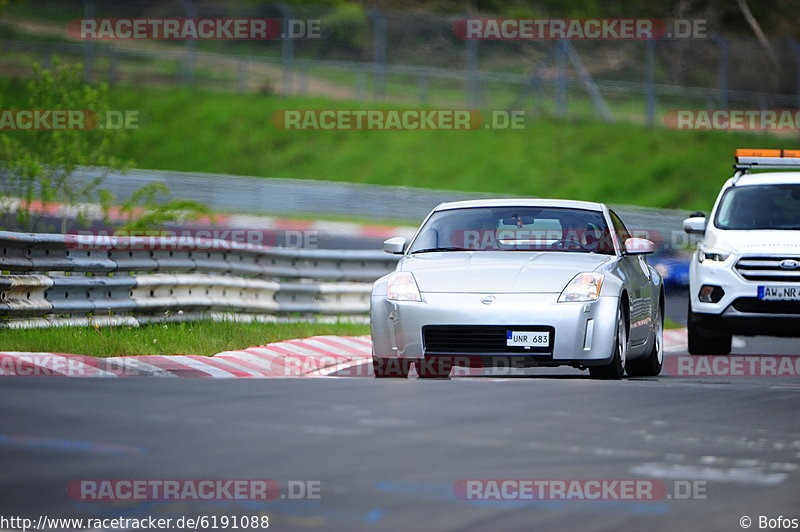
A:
[696,224]
[395,245]
[639,246]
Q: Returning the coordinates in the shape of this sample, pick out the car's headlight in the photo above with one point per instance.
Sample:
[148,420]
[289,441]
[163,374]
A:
[713,255]
[401,286]
[583,287]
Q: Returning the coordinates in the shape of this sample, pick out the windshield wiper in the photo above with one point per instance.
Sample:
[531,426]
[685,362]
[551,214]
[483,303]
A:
[432,250]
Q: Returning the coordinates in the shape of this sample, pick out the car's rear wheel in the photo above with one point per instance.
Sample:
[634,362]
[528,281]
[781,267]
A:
[616,368]
[390,368]
[650,366]
[705,342]
[434,367]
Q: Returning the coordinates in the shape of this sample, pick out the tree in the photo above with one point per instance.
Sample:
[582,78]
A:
[51,165]
[144,212]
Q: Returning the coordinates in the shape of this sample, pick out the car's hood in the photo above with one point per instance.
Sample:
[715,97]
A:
[755,242]
[498,271]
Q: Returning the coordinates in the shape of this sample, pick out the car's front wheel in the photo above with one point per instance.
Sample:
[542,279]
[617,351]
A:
[704,342]
[650,366]
[616,368]
[388,368]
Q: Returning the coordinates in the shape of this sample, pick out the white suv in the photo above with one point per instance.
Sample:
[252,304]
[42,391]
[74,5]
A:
[744,277]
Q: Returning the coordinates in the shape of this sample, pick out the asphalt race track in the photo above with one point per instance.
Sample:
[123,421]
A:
[387,453]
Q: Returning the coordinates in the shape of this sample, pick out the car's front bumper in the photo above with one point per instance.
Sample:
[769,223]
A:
[584,333]
[739,311]
[734,321]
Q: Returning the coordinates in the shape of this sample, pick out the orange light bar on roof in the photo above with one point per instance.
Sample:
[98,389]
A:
[744,152]
[758,153]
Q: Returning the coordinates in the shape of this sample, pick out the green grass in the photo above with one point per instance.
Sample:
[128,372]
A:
[187,338]
[205,131]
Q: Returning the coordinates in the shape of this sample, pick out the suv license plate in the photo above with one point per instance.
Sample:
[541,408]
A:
[779,293]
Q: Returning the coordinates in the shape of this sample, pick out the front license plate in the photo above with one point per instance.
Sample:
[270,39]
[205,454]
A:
[779,293]
[527,338]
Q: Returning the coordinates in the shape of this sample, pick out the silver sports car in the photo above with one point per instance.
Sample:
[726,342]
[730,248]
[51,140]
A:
[519,283]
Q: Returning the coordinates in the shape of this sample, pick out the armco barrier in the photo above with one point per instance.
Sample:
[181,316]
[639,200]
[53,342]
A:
[51,279]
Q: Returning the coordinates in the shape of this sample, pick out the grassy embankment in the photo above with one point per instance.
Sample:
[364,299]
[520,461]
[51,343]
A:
[223,132]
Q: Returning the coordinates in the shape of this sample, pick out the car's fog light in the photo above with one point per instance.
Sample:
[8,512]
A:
[710,293]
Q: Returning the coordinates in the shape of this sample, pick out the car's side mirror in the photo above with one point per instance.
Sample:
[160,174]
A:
[395,245]
[695,224]
[639,246]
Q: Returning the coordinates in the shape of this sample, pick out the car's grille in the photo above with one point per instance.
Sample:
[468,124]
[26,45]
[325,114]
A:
[757,306]
[461,339]
[761,268]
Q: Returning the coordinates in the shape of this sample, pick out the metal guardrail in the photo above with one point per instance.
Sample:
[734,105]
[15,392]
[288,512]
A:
[281,196]
[50,277]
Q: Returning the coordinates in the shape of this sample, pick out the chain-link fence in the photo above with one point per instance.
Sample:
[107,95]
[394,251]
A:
[416,58]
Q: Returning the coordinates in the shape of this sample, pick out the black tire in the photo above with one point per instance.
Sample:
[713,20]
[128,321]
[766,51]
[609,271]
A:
[704,342]
[615,369]
[434,367]
[390,368]
[650,366]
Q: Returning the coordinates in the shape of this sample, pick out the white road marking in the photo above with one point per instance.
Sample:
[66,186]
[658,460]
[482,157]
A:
[737,475]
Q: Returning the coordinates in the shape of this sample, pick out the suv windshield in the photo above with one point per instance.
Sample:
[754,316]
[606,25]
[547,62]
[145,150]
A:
[515,229]
[760,207]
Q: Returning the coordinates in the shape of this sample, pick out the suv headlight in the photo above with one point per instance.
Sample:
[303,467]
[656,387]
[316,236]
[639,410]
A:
[712,255]
[583,287]
[402,286]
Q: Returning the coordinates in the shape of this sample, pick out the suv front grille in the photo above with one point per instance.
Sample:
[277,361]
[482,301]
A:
[762,268]
[462,339]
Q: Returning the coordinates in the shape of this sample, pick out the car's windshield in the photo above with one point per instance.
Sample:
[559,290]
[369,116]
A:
[515,229]
[760,207]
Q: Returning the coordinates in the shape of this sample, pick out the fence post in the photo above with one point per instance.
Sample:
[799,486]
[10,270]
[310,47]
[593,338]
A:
[88,46]
[796,48]
[379,44]
[361,84]
[113,67]
[723,70]
[189,57]
[650,76]
[471,72]
[304,80]
[422,88]
[241,79]
[561,73]
[287,51]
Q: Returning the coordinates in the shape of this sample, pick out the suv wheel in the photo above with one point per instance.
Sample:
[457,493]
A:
[705,342]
